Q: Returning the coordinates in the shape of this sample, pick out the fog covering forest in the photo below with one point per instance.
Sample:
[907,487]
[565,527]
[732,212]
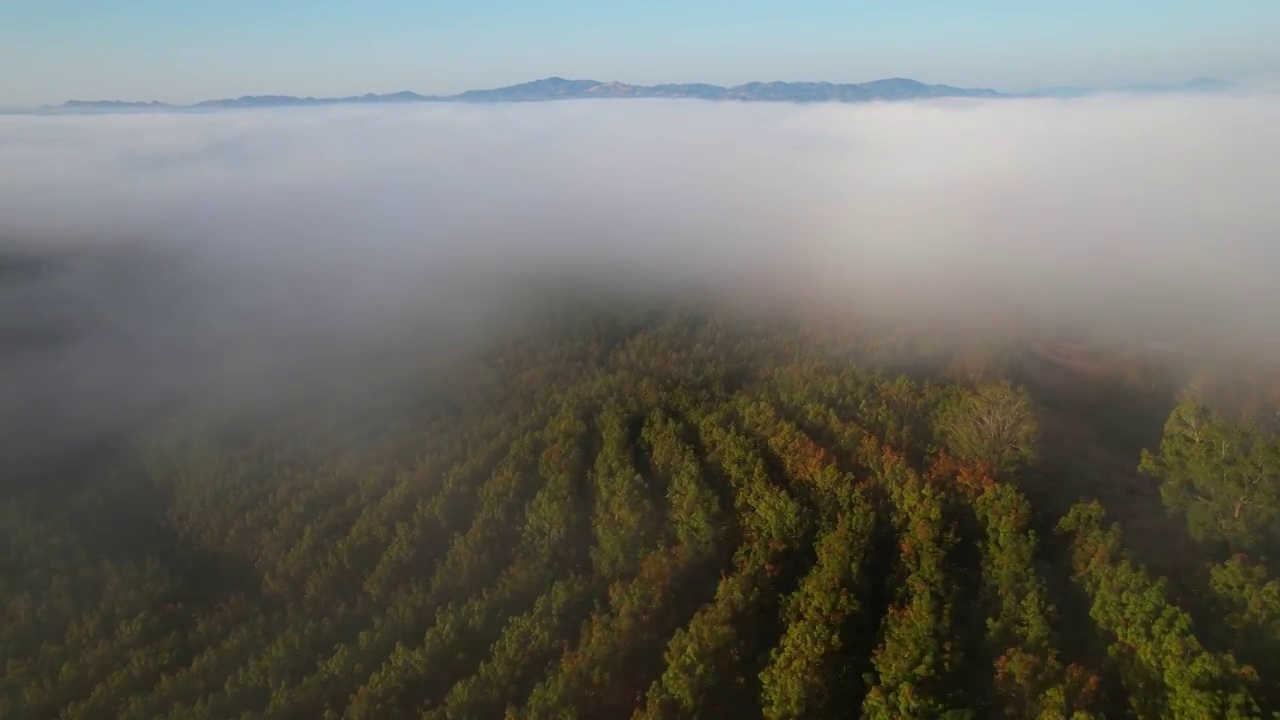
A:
[647,409]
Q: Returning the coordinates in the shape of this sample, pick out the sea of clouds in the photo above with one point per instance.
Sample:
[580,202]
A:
[249,244]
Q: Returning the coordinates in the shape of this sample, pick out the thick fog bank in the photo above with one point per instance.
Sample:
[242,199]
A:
[224,254]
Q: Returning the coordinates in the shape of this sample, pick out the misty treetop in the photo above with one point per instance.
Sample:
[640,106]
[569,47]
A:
[1224,477]
[656,514]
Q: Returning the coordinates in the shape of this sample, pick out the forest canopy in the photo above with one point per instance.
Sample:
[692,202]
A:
[663,512]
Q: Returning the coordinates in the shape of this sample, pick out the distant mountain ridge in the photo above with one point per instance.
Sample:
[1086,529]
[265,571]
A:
[557,88]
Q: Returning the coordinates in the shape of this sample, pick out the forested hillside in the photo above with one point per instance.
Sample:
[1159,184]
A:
[661,514]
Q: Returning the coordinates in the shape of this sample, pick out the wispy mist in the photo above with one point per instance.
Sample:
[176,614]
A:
[255,245]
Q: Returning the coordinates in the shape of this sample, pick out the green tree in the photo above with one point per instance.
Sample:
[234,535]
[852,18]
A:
[1166,671]
[1224,478]
[1029,679]
[916,659]
[804,668]
[1247,604]
[994,424]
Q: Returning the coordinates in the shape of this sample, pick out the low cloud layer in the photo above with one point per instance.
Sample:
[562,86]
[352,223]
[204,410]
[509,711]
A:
[247,241]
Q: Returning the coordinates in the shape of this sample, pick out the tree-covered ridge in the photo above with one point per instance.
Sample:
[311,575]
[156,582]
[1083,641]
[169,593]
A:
[647,515]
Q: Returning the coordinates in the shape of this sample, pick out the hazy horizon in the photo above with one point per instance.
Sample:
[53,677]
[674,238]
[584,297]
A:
[1253,82]
[187,52]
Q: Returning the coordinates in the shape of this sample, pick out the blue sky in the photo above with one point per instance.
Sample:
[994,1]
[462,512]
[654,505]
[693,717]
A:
[186,50]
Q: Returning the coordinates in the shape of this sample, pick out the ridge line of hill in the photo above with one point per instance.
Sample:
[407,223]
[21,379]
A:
[557,88]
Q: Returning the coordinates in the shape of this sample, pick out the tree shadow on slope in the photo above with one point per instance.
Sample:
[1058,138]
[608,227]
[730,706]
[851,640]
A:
[1093,431]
